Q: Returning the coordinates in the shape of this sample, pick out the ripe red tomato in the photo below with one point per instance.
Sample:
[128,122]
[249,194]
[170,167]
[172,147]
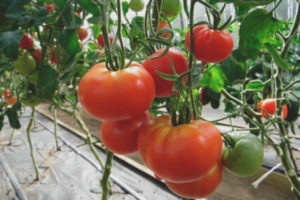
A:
[101,40]
[161,25]
[49,7]
[121,136]
[268,107]
[82,33]
[26,42]
[116,95]
[37,55]
[6,93]
[179,154]
[11,100]
[200,188]
[163,64]
[210,45]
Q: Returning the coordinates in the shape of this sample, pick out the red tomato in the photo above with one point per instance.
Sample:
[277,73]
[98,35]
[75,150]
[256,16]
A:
[78,13]
[116,95]
[101,40]
[121,136]
[179,154]
[50,7]
[163,64]
[54,60]
[200,188]
[203,96]
[6,93]
[37,54]
[268,107]
[26,42]
[82,33]
[11,100]
[161,25]
[210,45]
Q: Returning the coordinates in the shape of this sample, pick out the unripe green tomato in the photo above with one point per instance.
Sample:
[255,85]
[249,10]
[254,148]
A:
[25,64]
[246,157]
[171,8]
[31,101]
[136,5]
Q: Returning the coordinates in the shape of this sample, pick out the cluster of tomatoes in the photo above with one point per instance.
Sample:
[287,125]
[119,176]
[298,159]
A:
[9,98]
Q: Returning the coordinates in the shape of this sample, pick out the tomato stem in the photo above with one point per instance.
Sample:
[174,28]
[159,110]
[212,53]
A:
[105,178]
[55,127]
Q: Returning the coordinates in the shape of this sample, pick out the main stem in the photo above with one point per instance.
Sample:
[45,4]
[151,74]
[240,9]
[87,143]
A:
[30,143]
[55,128]
[105,178]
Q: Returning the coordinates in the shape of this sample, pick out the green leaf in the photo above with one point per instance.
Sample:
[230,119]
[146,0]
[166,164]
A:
[68,39]
[137,27]
[1,121]
[47,82]
[255,85]
[232,68]
[125,7]
[12,114]
[280,62]
[89,6]
[96,30]
[257,28]
[213,78]
[9,43]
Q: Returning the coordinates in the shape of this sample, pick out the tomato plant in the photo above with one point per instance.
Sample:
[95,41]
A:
[134,96]
[121,136]
[163,64]
[164,148]
[268,107]
[210,45]
[202,187]
[245,156]
[101,41]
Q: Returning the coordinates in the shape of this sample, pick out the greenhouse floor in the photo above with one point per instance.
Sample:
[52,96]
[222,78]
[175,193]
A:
[73,174]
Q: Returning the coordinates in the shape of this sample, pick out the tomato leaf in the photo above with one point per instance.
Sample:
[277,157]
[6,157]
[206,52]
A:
[68,39]
[255,85]
[232,68]
[257,28]
[12,114]
[89,6]
[47,82]
[277,59]
[9,43]
[125,7]
[213,78]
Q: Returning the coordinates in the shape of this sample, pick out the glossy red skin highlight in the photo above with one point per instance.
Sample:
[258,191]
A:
[200,188]
[163,64]
[179,154]
[26,42]
[101,40]
[121,136]
[116,95]
[268,107]
[210,45]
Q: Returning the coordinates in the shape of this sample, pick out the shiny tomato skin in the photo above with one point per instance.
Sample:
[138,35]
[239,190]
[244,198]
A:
[245,157]
[268,107]
[163,64]
[202,187]
[26,42]
[161,25]
[116,95]
[101,40]
[121,136]
[82,33]
[179,154]
[37,55]
[210,45]
[11,100]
